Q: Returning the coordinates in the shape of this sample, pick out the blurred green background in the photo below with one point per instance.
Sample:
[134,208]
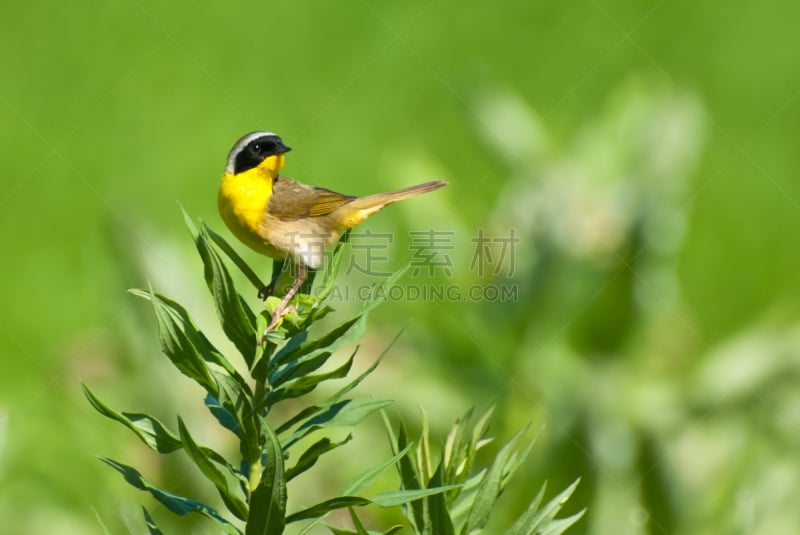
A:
[644,152]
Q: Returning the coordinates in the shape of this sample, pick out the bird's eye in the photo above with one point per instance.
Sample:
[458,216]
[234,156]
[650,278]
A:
[262,148]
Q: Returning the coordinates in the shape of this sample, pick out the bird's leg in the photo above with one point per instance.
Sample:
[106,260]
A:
[266,291]
[302,274]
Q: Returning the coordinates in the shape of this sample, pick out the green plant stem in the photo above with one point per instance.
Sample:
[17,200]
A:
[258,395]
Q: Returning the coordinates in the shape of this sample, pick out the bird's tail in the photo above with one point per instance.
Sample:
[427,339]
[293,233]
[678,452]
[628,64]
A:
[363,207]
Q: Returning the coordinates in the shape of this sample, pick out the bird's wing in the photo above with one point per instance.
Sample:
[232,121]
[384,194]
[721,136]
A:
[291,200]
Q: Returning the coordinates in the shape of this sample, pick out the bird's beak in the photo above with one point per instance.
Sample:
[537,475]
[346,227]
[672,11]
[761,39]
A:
[282,149]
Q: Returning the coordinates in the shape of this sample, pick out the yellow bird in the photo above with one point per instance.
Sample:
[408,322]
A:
[284,219]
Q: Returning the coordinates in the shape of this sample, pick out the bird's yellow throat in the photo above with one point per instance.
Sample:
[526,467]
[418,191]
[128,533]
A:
[243,197]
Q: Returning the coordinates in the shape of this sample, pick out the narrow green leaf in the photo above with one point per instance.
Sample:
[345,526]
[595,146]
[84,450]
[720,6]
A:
[189,222]
[399,497]
[304,414]
[360,529]
[238,321]
[329,342]
[203,346]
[340,414]
[482,425]
[317,314]
[476,442]
[152,432]
[389,431]
[346,389]
[490,487]
[210,470]
[381,291]
[238,404]
[298,368]
[100,521]
[440,521]
[238,261]
[382,499]
[268,501]
[179,505]
[453,444]
[368,478]
[304,385]
[560,525]
[462,444]
[312,454]
[291,344]
[234,411]
[323,508]
[326,286]
[521,526]
[424,461]
[341,531]
[180,345]
[410,480]
[465,498]
[225,418]
[347,412]
[151,525]
[543,517]
[515,461]
[311,410]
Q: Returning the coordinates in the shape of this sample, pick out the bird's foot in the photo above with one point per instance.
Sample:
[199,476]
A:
[279,313]
[283,308]
[266,291]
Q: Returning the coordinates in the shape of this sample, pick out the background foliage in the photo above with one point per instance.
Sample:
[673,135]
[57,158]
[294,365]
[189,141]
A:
[644,151]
